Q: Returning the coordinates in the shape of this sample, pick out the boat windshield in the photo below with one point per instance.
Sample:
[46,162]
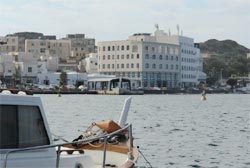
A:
[21,127]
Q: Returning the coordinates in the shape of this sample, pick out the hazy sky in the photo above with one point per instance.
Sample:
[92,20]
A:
[118,19]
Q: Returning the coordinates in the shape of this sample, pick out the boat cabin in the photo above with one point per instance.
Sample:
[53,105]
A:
[110,85]
[25,138]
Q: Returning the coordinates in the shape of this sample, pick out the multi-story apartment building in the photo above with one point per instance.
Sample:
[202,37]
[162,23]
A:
[80,46]
[143,59]
[91,63]
[8,44]
[40,47]
[18,67]
[191,59]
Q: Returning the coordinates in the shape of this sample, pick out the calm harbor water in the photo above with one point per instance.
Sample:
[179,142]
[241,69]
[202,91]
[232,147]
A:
[172,130]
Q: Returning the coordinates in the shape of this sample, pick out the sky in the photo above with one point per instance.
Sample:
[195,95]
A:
[118,19]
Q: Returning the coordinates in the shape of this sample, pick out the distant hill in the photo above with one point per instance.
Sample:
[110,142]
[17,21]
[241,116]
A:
[27,35]
[224,58]
[227,48]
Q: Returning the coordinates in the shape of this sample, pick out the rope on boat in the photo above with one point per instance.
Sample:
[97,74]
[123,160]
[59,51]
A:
[144,157]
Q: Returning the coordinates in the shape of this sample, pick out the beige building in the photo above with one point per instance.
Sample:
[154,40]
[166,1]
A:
[147,62]
[41,47]
[80,46]
[8,44]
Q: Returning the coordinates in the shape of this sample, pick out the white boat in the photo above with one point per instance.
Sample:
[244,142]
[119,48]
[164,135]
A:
[26,140]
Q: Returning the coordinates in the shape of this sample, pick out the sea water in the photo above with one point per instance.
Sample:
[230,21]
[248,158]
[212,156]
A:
[171,130]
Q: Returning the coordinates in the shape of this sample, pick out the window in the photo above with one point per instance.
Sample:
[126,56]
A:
[138,56]
[103,66]
[127,56]
[146,48]
[176,67]
[29,69]
[103,48]
[122,57]
[108,66]
[166,66]
[118,48]
[108,57]
[22,126]
[153,66]
[133,74]
[137,65]
[146,56]
[153,49]
[118,57]
[166,57]
[134,48]
[113,48]
[127,66]
[122,65]
[113,57]
[103,57]
[172,66]
[153,56]
[160,57]
[117,66]
[122,47]
[160,66]
[132,56]
[113,66]
[127,47]
[42,50]
[132,65]
[146,65]
[172,58]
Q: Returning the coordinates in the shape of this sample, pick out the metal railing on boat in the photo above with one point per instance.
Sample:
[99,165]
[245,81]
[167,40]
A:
[104,137]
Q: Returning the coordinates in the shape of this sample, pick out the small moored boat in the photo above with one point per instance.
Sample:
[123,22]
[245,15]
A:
[26,140]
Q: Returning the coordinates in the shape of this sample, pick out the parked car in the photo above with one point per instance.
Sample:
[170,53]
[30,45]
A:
[82,88]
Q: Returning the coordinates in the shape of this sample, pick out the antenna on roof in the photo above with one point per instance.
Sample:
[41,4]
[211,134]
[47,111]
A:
[157,26]
[178,29]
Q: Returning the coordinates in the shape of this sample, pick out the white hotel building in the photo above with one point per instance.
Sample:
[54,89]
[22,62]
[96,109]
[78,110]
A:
[161,60]
[147,62]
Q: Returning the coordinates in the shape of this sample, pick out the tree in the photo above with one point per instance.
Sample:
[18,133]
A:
[239,65]
[63,79]
[212,67]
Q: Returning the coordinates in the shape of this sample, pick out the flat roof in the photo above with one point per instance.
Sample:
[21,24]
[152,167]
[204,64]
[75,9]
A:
[104,79]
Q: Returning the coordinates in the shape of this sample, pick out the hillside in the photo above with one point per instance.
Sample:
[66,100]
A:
[27,35]
[227,57]
[224,47]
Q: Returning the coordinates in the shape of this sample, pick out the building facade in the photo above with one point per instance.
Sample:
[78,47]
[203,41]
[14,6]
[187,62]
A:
[80,46]
[8,44]
[141,58]
[191,59]
[91,63]
[41,47]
